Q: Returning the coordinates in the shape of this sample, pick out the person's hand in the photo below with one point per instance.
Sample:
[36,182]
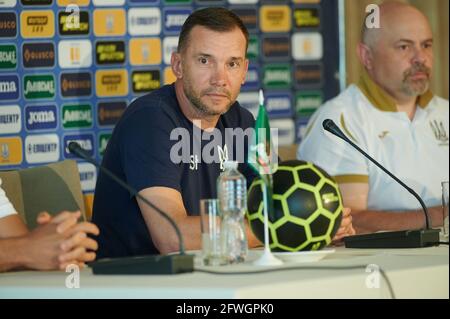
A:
[346,228]
[73,245]
[41,247]
[78,248]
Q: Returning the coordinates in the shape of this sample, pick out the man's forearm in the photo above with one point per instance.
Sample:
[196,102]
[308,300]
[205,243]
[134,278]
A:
[12,254]
[370,221]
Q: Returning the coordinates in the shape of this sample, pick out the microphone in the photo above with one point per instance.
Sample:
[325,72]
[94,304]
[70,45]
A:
[396,239]
[138,265]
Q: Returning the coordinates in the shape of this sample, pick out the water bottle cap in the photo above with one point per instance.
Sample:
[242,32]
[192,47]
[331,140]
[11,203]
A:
[230,165]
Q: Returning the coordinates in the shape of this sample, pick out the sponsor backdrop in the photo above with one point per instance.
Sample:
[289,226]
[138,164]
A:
[69,68]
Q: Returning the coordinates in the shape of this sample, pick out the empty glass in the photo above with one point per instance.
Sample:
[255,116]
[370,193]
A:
[211,223]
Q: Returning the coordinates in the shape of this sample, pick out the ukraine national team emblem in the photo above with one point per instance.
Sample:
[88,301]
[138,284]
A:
[439,131]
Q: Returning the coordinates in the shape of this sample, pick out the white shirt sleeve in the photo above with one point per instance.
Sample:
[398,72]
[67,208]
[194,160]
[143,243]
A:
[328,151]
[6,208]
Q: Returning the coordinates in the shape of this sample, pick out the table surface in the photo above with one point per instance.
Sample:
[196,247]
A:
[346,273]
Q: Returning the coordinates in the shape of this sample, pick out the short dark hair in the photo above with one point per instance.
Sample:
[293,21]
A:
[215,19]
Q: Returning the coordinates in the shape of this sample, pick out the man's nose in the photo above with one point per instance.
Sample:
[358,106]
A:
[219,77]
[419,56]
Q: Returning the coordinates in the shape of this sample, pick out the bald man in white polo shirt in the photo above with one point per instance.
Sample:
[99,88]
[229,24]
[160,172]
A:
[393,116]
[54,244]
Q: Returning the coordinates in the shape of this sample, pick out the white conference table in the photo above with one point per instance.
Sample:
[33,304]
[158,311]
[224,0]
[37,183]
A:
[412,273]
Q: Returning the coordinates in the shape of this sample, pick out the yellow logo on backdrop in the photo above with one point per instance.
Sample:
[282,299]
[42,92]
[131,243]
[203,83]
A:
[145,51]
[275,18]
[111,82]
[63,3]
[109,22]
[307,46]
[169,77]
[75,54]
[10,151]
[88,204]
[37,24]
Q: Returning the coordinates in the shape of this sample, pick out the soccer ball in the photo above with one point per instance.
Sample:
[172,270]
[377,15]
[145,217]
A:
[307,208]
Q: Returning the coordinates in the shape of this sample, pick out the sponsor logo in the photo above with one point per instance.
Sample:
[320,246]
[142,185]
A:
[65,3]
[253,48]
[10,119]
[144,21]
[307,46]
[279,105]
[249,16]
[172,1]
[86,141]
[38,55]
[10,151]
[9,87]
[111,82]
[103,140]
[41,117]
[242,1]
[75,54]
[308,75]
[306,103]
[276,47]
[110,52]
[8,3]
[109,113]
[170,45]
[145,51]
[8,56]
[109,22]
[250,101]
[106,3]
[76,116]
[67,26]
[252,80]
[42,148]
[286,131]
[76,84]
[39,86]
[146,81]
[37,24]
[307,17]
[277,76]
[210,2]
[275,19]
[8,25]
[36,2]
[174,19]
[88,176]
[169,77]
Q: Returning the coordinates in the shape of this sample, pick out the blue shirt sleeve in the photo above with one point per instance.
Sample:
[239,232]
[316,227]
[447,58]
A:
[145,149]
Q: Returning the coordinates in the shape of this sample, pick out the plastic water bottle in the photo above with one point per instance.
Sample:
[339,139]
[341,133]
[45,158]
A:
[232,194]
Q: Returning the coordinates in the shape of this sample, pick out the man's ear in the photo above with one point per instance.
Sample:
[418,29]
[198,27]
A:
[175,62]
[364,53]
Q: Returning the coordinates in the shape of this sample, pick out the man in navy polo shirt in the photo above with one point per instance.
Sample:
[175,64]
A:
[148,145]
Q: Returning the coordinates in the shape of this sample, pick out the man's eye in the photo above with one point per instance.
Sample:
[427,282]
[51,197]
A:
[427,45]
[203,60]
[404,47]
[234,64]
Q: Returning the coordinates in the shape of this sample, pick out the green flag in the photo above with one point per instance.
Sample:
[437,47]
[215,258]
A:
[261,154]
